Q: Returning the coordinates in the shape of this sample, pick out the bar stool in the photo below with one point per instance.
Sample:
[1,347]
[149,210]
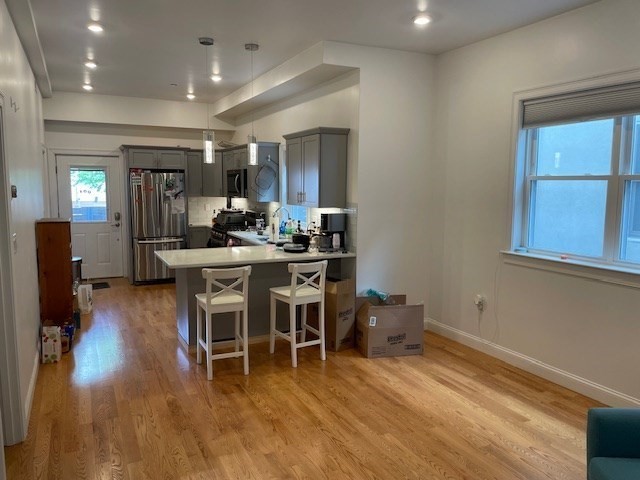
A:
[311,290]
[226,297]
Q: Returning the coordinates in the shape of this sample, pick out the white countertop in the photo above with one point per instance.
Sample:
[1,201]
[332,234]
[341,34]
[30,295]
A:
[222,257]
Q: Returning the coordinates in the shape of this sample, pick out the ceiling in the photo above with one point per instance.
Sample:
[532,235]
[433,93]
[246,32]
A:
[148,45]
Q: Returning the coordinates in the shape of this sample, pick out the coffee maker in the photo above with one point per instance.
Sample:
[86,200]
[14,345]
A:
[330,224]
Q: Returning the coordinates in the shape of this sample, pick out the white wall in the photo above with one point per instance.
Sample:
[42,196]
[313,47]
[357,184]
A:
[24,167]
[584,332]
[396,105]
[387,155]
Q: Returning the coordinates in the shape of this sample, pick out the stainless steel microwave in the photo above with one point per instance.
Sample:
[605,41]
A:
[237,183]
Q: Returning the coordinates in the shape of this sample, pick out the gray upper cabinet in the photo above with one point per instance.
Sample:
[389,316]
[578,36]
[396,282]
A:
[212,178]
[204,179]
[156,158]
[194,173]
[317,167]
[262,179]
[263,182]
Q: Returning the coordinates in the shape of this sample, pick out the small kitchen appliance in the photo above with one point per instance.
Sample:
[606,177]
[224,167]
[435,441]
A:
[330,224]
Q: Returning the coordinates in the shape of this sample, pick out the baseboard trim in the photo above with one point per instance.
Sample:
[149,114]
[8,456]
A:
[568,380]
[30,393]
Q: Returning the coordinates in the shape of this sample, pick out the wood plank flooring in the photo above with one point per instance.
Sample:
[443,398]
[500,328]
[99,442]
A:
[128,403]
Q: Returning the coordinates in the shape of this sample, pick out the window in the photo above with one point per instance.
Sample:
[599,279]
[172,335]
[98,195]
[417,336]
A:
[579,176]
[88,194]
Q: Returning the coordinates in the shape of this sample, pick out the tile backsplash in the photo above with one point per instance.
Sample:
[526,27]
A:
[201,208]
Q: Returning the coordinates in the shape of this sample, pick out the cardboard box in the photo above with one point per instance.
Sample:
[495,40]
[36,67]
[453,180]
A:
[51,344]
[389,330]
[339,314]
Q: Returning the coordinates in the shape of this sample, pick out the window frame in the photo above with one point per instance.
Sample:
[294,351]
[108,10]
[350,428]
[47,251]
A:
[520,189]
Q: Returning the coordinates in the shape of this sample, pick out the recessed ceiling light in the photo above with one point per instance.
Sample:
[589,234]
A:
[422,19]
[216,78]
[190,96]
[90,64]
[95,27]
[87,87]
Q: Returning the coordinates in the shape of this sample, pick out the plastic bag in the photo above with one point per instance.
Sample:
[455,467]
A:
[85,301]
[384,297]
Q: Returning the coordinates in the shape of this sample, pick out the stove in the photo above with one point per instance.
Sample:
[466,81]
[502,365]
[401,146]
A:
[226,223]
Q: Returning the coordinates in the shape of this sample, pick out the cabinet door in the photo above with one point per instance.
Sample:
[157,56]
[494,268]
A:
[228,163]
[294,171]
[199,236]
[195,174]
[311,170]
[169,159]
[241,158]
[139,158]
[212,178]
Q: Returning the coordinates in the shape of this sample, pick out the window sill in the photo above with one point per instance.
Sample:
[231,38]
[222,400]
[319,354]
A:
[616,275]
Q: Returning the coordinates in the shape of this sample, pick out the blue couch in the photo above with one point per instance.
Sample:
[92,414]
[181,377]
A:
[613,444]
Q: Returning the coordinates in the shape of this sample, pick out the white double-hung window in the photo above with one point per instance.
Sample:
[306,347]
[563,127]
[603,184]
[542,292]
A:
[578,177]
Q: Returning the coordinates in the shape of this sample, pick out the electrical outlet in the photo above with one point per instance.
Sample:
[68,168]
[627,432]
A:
[480,301]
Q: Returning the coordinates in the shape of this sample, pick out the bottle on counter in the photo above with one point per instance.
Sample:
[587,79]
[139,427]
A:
[288,229]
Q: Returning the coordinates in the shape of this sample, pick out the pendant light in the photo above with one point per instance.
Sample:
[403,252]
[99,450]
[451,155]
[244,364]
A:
[208,136]
[251,139]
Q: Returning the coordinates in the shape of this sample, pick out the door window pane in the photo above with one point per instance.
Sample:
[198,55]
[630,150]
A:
[630,241]
[582,148]
[88,195]
[568,216]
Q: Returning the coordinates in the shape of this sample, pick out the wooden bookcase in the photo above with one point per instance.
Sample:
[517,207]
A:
[55,280]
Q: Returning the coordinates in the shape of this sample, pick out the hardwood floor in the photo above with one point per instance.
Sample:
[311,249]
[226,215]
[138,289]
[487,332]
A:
[127,402]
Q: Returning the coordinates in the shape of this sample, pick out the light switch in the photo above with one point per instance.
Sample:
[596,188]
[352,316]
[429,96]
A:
[14,242]
[14,191]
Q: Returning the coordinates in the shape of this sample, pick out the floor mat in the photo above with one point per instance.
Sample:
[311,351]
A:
[100,285]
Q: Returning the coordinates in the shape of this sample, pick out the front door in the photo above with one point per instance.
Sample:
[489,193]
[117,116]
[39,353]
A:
[89,192]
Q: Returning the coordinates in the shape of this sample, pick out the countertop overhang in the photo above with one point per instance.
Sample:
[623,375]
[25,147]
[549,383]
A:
[227,257]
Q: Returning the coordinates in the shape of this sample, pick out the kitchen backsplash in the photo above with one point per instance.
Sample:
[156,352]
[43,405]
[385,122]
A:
[201,208]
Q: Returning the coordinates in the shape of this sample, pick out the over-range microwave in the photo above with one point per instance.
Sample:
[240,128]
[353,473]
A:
[237,183]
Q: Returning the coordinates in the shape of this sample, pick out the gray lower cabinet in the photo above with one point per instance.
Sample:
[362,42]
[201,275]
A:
[317,167]
[204,179]
[198,236]
[154,158]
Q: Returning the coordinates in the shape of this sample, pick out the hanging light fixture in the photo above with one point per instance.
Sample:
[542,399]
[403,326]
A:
[208,136]
[251,140]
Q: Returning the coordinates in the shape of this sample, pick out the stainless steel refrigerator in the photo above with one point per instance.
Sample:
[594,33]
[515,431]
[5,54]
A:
[158,221]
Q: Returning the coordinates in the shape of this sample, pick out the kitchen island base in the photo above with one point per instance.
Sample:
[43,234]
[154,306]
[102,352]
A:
[264,275]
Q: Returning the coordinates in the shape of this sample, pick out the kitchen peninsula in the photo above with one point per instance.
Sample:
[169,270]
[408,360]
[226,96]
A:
[269,269]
